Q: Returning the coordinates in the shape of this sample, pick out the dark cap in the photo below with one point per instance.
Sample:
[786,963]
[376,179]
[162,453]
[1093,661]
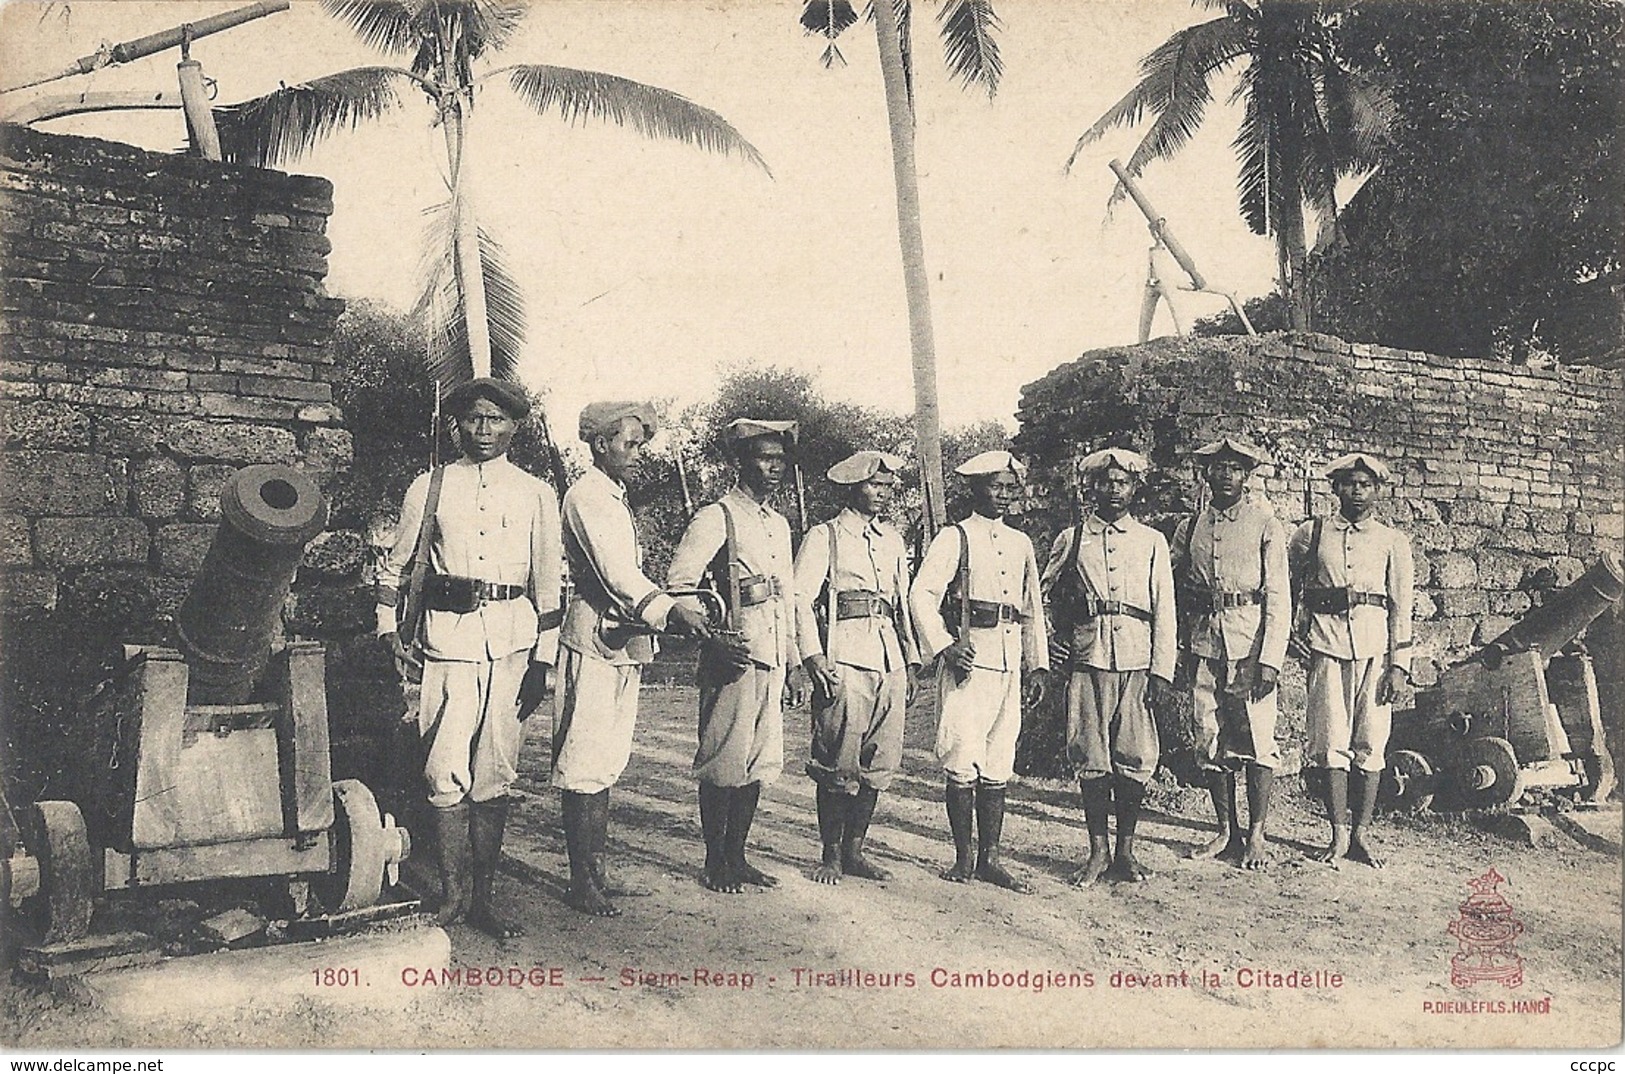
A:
[504,393]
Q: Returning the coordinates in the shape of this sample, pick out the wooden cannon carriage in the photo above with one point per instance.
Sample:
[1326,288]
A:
[211,758]
[1520,713]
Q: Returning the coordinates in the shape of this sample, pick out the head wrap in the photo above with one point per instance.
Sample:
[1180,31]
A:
[992,462]
[604,419]
[1357,460]
[1244,450]
[504,393]
[864,466]
[1131,462]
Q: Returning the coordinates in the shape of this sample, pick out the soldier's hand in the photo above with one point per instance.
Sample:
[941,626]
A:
[533,688]
[1158,690]
[825,678]
[730,650]
[795,688]
[687,622]
[1264,678]
[407,668]
[961,657]
[1297,648]
[1036,686]
[1393,680]
[913,689]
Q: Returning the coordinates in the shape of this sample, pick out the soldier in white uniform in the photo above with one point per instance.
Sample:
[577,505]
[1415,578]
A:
[1230,573]
[1355,584]
[990,629]
[744,680]
[490,634]
[1110,586]
[857,641]
[606,641]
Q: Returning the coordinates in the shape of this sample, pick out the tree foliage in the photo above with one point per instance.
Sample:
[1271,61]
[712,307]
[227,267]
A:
[1497,219]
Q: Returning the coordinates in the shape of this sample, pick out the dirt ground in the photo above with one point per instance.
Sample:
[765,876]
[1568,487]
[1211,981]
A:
[1182,961]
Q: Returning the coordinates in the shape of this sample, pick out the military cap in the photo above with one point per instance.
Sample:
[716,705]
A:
[991,462]
[1128,461]
[604,419]
[865,466]
[1245,450]
[1357,460]
[741,429]
[504,393]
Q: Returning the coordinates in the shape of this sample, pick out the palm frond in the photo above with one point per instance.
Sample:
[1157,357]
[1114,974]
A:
[582,96]
[827,17]
[284,125]
[969,29]
[1259,177]
[442,309]
[1174,80]
[485,25]
[1360,113]
[831,57]
[387,25]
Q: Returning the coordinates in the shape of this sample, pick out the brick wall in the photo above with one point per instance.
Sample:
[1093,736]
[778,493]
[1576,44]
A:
[165,322]
[1505,477]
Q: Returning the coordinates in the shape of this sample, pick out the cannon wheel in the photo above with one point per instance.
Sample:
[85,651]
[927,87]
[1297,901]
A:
[1409,782]
[1486,774]
[55,833]
[356,876]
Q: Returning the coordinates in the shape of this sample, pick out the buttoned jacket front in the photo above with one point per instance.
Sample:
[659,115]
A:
[1367,557]
[869,557]
[1003,570]
[606,565]
[1238,551]
[761,548]
[1126,562]
[496,523]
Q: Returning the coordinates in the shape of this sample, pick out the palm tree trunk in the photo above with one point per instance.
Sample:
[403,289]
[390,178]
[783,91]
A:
[900,118]
[466,244]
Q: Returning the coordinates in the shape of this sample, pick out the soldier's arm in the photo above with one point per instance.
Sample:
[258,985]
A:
[701,541]
[1035,632]
[812,569]
[1276,612]
[908,634]
[930,585]
[1401,598]
[601,528]
[395,560]
[1164,625]
[546,558]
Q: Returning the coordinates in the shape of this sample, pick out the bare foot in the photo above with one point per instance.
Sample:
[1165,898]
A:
[1126,870]
[451,911]
[959,872]
[1358,851]
[589,900]
[722,880]
[752,875]
[1256,856]
[827,872]
[859,866]
[994,873]
[1092,870]
[494,925]
[1225,844]
[1338,848]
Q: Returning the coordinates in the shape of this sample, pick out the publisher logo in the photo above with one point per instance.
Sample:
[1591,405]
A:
[1486,933]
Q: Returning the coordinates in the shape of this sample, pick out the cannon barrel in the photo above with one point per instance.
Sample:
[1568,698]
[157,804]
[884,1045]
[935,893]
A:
[232,613]
[1563,615]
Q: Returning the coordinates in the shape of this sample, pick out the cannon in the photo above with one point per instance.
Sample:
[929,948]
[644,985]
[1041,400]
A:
[211,757]
[1522,712]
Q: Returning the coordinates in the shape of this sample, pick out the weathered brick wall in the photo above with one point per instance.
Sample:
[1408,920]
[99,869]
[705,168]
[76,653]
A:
[165,322]
[1505,477]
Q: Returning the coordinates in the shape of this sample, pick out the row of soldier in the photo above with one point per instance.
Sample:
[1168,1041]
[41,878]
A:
[841,621]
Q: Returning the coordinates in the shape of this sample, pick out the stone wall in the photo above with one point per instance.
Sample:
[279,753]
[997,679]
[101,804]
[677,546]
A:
[1507,478]
[165,322]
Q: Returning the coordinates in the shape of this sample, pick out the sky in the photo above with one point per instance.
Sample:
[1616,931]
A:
[649,268]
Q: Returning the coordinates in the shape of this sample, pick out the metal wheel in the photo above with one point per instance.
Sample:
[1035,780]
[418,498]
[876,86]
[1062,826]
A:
[356,875]
[60,910]
[1486,774]
[1409,782]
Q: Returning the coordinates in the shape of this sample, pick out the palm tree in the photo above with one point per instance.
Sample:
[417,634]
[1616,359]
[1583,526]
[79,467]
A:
[969,29]
[473,307]
[1308,117]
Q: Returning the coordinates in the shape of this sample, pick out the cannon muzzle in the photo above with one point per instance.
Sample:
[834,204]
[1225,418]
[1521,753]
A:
[1564,615]
[233,611]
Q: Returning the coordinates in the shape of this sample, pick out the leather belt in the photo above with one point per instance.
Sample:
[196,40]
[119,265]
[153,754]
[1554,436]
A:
[454,593]
[861,604]
[757,589]
[985,614]
[1094,609]
[1339,600]
[1211,601]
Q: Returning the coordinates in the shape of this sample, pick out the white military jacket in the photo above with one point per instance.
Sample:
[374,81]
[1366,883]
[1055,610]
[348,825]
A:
[869,557]
[1003,570]
[762,549]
